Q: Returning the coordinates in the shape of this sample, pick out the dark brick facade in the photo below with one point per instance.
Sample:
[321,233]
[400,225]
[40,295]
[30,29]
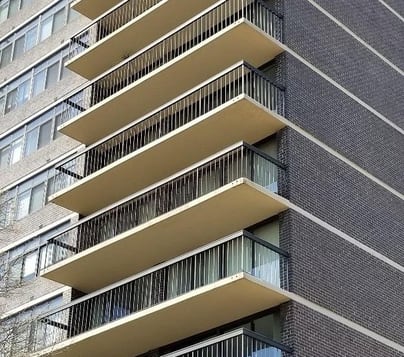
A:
[329,271]
[323,267]
[396,5]
[341,196]
[373,23]
[324,44]
[341,123]
[311,334]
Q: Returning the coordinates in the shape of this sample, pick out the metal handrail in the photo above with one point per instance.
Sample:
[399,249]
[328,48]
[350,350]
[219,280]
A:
[224,342]
[242,252]
[243,79]
[240,161]
[173,45]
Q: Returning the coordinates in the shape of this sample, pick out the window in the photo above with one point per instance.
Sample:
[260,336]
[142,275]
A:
[23,329]
[6,55]
[9,8]
[24,262]
[28,196]
[46,28]
[34,81]
[40,132]
[37,30]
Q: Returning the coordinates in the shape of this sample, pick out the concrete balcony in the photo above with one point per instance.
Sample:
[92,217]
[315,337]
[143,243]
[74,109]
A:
[229,279]
[115,35]
[240,104]
[93,8]
[237,29]
[168,219]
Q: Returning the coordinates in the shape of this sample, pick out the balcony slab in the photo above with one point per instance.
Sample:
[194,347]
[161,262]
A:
[233,207]
[241,119]
[199,310]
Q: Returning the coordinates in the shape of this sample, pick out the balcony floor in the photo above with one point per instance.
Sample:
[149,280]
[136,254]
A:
[124,42]
[233,207]
[197,311]
[241,119]
[240,41]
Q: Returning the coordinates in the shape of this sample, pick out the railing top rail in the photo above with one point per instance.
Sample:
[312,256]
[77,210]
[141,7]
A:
[226,336]
[213,157]
[168,35]
[149,115]
[166,264]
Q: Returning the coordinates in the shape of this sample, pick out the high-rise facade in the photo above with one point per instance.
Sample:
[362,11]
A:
[202,178]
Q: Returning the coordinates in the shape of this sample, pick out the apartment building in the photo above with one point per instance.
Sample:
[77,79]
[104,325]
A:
[202,178]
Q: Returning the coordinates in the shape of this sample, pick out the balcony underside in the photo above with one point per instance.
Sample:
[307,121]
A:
[124,42]
[197,311]
[93,8]
[233,207]
[239,41]
[241,119]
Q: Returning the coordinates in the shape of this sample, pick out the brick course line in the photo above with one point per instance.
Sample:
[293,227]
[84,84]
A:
[356,37]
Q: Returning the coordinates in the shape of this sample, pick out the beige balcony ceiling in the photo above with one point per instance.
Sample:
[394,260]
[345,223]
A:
[240,41]
[125,41]
[199,310]
[240,119]
[232,207]
[93,8]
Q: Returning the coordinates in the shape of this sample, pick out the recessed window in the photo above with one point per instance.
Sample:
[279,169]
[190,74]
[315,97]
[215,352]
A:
[40,132]
[30,84]
[37,30]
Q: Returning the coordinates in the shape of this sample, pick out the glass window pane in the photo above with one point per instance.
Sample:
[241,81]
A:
[37,198]
[23,92]
[23,204]
[3,12]
[58,20]
[25,3]
[30,38]
[11,102]
[45,134]
[2,104]
[19,47]
[14,271]
[53,74]
[39,83]
[6,55]
[29,269]
[4,157]
[14,7]
[16,151]
[65,70]
[73,14]
[46,28]
[31,143]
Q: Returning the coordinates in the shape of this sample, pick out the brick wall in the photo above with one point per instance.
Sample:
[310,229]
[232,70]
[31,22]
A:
[333,273]
[316,38]
[311,334]
[373,23]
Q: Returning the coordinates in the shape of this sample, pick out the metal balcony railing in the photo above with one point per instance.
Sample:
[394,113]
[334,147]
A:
[191,34]
[238,80]
[243,161]
[238,343]
[242,252]
[108,23]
